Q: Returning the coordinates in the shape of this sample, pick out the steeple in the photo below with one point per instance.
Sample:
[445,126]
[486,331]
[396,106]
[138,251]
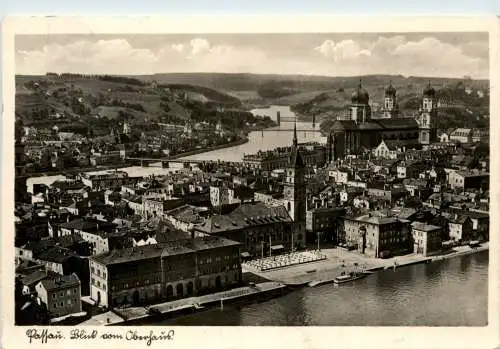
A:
[296,160]
[295,141]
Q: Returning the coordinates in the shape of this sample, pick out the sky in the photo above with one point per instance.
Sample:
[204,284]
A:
[336,54]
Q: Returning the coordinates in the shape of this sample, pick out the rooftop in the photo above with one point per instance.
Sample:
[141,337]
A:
[245,216]
[166,249]
[424,227]
[63,281]
[375,219]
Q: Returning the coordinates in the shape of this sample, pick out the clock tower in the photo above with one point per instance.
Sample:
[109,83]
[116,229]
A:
[295,192]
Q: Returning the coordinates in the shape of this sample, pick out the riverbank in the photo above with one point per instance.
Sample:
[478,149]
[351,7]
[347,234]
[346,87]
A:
[340,260]
[206,150]
[124,164]
[162,311]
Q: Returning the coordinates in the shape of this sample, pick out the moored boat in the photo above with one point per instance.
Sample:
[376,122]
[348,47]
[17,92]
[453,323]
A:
[341,279]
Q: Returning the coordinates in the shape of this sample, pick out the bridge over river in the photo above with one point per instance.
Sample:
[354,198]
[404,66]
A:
[177,163]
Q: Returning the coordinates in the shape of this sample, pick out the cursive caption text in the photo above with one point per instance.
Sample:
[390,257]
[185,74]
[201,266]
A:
[45,336]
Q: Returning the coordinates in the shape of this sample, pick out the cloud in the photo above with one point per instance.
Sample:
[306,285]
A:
[381,55]
[397,55]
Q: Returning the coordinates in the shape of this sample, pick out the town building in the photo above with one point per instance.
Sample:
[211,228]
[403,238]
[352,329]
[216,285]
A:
[377,236]
[468,180]
[313,155]
[258,227]
[461,135]
[61,295]
[460,228]
[112,179]
[163,272]
[325,221]
[386,150]
[426,238]
[222,195]
[480,135]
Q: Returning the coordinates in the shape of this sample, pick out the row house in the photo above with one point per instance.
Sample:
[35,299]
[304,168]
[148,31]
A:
[426,238]
[164,272]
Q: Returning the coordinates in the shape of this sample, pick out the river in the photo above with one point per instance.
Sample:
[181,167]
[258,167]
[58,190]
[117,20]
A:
[278,136]
[452,292]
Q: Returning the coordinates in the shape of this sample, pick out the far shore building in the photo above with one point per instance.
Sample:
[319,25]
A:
[377,236]
[163,272]
[426,238]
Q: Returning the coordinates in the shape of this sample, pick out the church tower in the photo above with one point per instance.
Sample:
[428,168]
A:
[427,119]
[295,193]
[390,109]
[360,110]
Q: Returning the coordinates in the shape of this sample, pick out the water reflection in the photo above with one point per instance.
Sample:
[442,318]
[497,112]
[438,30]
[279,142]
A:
[447,293]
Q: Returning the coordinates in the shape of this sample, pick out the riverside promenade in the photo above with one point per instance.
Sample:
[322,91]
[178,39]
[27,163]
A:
[339,260]
[163,310]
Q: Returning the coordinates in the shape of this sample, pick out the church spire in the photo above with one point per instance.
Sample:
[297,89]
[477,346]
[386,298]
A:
[295,142]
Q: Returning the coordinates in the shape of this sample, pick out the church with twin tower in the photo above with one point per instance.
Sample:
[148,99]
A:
[359,130]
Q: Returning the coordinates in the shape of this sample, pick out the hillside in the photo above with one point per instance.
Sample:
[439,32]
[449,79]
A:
[105,101]
[72,101]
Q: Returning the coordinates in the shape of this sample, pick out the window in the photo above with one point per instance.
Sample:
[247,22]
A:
[61,304]
[53,295]
[68,292]
[104,275]
[61,294]
[69,301]
[55,305]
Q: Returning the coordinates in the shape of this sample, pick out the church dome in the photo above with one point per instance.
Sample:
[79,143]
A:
[360,96]
[390,90]
[429,91]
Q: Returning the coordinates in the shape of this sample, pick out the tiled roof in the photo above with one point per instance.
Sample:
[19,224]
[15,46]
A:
[403,123]
[37,276]
[61,282]
[56,254]
[246,215]
[459,219]
[87,224]
[375,219]
[424,227]
[166,249]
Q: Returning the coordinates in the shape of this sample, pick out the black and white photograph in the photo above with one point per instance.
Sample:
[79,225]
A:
[252,179]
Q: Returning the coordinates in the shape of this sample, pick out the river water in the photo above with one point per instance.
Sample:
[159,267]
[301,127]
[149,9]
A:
[278,136]
[452,292]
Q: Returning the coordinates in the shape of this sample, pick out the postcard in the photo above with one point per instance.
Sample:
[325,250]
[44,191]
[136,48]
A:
[239,181]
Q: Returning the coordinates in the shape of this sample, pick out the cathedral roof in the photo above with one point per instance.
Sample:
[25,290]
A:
[342,125]
[360,95]
[390,90]
[402,123]
[429,91]
[369,126]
